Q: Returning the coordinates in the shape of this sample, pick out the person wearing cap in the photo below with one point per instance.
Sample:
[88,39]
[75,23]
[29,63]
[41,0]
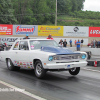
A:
[26,37]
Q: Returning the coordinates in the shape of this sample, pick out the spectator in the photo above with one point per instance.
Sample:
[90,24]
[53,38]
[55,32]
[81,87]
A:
[96,43]
[50,37]
[61,44]
[75,42]
[65,43]
[61,41]
[93,43]
[99,43]
[70,43]
[26,37]
[82,42]
[78,45]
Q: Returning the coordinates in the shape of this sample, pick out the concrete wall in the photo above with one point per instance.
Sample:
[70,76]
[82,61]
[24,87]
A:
[94,51]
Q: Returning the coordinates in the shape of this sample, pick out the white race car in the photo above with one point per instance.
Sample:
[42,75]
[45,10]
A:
[42,55]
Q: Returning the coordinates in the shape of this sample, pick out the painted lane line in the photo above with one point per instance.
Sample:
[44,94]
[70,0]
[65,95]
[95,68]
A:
[91,70]
[24,92]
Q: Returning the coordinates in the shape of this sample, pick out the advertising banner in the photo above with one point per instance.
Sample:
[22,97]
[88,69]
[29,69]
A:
[94,31]
[6,29]
[25,29]
[53,30]
[76,31]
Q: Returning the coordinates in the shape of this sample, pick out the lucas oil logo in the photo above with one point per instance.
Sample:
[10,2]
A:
[24,30]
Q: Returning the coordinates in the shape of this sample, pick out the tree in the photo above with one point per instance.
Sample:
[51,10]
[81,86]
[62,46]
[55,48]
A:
[6,12]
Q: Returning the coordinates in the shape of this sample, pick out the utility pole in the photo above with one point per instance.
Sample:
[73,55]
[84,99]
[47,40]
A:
[56,15]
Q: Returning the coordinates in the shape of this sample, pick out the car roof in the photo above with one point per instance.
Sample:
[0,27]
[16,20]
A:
[33,39]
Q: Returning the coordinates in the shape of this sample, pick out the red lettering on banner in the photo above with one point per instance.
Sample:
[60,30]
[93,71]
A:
[94,31]
[18,29]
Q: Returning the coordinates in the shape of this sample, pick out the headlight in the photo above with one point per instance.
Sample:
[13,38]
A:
[83,56]
[50,58]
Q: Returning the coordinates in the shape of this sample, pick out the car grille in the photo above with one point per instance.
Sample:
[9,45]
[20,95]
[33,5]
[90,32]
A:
[67,58]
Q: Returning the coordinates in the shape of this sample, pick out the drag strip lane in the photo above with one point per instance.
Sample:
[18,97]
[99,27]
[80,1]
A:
[56,85]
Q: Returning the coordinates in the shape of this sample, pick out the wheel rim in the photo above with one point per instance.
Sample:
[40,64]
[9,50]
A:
[9,63]
[73,69]
[39,69]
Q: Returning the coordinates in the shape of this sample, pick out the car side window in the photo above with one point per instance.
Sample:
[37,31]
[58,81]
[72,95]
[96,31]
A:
[16,47]
[23,45]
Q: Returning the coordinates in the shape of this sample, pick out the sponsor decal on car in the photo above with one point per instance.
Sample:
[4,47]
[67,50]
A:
[18,62]
[24,63]
[21,63]
[29,67]
[68,66]
[31,63]
[32,47]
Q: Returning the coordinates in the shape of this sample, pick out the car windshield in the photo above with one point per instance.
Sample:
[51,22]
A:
[37,44]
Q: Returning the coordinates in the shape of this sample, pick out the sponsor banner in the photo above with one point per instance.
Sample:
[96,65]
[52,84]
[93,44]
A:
[53,30]
[25,29]
[6,29]
[8,39]
[76,31]
[94,31]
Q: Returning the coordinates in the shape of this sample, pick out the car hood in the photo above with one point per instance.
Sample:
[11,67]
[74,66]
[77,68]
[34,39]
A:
[57,50]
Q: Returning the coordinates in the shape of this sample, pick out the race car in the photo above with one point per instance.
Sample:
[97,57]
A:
[43,55]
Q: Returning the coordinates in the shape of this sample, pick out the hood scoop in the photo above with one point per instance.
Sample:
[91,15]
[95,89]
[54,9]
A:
[57,50]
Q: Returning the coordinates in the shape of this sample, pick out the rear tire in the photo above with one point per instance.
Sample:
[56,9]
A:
[10,65]
[39,70]
[74,71]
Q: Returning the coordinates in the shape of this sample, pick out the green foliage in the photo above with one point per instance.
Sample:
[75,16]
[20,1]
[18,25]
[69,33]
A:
[42,12]
[6,12]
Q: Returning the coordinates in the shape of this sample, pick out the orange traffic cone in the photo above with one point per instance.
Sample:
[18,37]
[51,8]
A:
[95,63]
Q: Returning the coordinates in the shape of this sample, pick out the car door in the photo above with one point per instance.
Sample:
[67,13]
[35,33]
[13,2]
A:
[23,54]
[13,53]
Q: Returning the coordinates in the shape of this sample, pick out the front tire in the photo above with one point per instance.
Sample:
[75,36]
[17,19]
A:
[10,65]
[39,70]
[74,71]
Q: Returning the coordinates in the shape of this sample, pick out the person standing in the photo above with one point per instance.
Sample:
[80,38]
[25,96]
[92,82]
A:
[61,41]
[61,44]
[65,43]
[70,43]
[75,42]
[50,37]
[78,45]
[26,37]
[93,43]
[97,44]
[82,42]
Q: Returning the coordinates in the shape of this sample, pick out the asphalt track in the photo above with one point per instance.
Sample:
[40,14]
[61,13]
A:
[56,85]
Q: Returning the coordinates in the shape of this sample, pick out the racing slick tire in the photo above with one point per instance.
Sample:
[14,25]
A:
[10,65]
[39,70]
[74,71]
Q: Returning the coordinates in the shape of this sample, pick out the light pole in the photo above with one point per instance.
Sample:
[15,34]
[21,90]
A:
[56,15]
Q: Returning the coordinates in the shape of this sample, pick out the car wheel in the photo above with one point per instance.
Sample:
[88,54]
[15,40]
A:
[74,71]
[10,65]
[39,70]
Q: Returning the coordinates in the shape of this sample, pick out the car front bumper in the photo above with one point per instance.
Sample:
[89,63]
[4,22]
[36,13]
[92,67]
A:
[65,65]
